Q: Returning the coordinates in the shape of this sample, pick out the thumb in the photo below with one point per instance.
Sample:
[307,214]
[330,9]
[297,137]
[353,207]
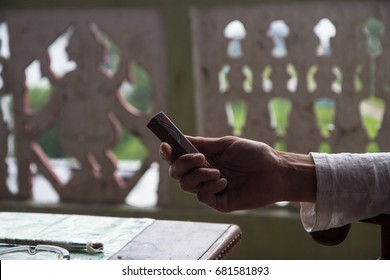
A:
[166,153]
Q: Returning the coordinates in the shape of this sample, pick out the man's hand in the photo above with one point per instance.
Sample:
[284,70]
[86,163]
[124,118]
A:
[245,174]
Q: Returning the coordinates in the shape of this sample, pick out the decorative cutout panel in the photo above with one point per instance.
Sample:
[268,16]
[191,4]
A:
[93,63]
[319,74]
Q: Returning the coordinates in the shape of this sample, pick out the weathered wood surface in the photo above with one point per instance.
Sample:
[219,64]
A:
[349,50]
[174,240]
[85,103]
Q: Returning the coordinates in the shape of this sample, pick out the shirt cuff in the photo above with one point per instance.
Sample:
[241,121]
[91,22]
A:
[317,216]
[350,187]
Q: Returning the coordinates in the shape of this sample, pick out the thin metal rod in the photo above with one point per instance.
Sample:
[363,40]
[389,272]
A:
[70,246]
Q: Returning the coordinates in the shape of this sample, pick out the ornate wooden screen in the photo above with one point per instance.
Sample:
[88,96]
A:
[252,59]
[85,102]
[301,76]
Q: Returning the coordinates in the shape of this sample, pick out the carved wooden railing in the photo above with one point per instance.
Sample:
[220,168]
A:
[260,71]
[85,102]
[304,58]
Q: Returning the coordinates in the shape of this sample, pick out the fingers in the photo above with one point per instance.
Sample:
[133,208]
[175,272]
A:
[166,154]
[182,165]
[195,179]
[207,185]
[208,193]
[185,164]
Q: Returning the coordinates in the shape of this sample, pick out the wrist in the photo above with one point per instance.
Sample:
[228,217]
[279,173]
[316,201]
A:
[299,177]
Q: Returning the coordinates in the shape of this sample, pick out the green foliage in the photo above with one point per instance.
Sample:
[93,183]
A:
[50,143]
[325,148]
[372,115]
[325,110]
[38,97]
[374,29]
[372,147]
[140,94]
[130,147]
[280,146]
[280,109]
[237,111]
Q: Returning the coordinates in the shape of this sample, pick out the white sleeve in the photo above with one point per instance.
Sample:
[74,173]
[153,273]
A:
[350,187]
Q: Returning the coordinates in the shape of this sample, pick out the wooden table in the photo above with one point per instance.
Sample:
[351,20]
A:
[165,240]
[124,238]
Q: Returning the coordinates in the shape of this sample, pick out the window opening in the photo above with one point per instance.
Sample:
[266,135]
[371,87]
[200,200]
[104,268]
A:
[338,81]
[39,88]
[4,41]
[310,79]
[223,79]
[325,31]
[60,64]
[372,111]
[235,31]
[247,85]
[279,31]
[292,83]
[236,112]
[325,111]
[279,109]
[138,93]
[267,82]
[111,58]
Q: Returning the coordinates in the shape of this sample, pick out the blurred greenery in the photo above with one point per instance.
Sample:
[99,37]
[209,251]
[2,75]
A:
[280,145]
[374,29]
[325,110]
[248,82]
[325,148]
[38,97]
[372,147]
[139,94]
[280,109]
[129,147]
[236,111]
[372,110]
